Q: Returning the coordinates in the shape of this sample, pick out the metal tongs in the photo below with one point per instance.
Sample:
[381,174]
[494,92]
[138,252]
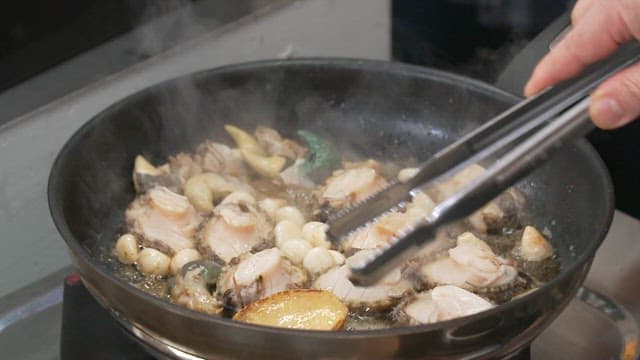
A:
[520,138]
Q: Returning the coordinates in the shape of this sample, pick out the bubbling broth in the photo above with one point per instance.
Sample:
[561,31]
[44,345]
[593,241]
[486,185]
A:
[239,231]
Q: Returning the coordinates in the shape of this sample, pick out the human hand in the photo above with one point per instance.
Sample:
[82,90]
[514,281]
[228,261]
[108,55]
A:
[599,27]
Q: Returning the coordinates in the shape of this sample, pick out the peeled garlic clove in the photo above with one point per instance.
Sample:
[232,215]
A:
[315,232]
[199,194]
[338,258]
[266,166]
[286,230]
[153,262]
[127,249]
[318,260]
[296,250]
[271,205]
[290,213]
[244,140]
[183,257]
[534,246]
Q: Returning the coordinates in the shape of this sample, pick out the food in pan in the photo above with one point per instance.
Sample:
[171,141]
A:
[239,231]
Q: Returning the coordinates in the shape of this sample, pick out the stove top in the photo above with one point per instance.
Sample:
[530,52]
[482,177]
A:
[88,331]
[36,323]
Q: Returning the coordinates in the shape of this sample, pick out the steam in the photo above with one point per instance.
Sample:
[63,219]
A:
[166,23]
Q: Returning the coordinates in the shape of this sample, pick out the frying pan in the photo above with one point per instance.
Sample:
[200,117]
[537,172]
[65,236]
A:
[383,110]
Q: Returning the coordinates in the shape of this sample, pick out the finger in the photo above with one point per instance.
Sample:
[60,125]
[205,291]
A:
[606,25]
[617,101]
[580,9]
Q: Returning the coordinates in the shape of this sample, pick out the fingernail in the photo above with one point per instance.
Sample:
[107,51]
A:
[607,111]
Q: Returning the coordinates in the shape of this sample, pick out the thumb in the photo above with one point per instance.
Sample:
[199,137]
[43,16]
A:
[580,9]
[617,101]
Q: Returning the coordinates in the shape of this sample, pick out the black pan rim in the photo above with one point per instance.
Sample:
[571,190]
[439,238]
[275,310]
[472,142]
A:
[345,63]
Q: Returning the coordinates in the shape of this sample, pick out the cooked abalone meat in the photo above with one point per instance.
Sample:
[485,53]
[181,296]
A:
[240,229]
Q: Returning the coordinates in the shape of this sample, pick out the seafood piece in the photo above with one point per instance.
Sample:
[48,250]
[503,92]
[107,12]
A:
[472,265]
[273,142]
[499,213]
[256,276]
[221,159]
[384,230]
[191,289]
[297,309]
[234,229]
[445,189]
[420,206]
[378,234]
[440,304]
[163,220]
[371,299]
[147,176]
[347,186]
[183,167]
[240,198]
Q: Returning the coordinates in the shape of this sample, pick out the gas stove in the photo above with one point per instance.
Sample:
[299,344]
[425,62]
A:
[88,331]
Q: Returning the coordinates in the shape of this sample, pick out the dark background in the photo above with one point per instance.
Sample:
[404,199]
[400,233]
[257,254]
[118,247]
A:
[476,38]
